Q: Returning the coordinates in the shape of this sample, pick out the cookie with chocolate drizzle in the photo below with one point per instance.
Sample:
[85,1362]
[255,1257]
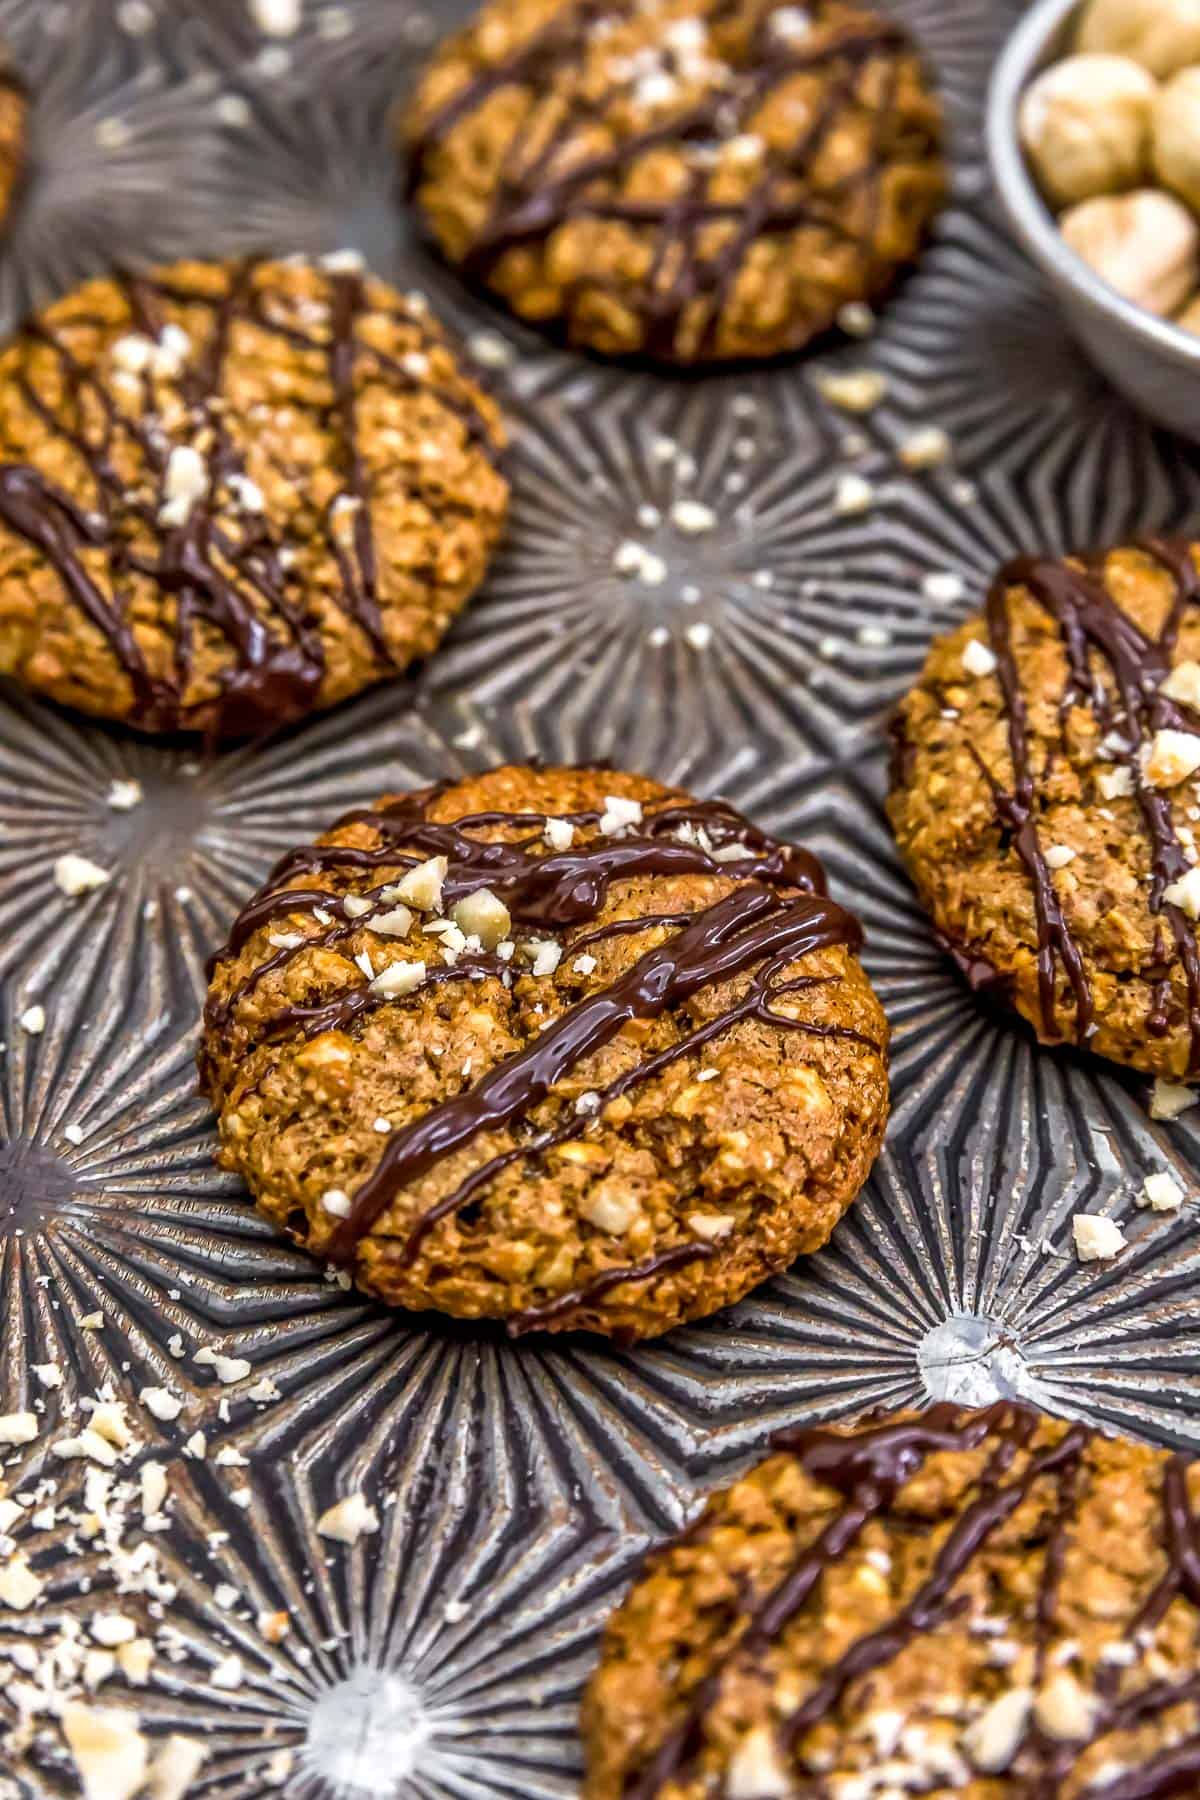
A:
[690,180]
[233,493]
[561,1047]
[1047,801]
[978,1604]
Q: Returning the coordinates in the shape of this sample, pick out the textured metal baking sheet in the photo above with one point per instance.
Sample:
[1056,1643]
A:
[518,1484]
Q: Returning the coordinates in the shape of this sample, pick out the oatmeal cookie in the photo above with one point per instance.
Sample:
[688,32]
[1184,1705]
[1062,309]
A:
[232,493]
[557,1046]
[948,1603]
[695,181]
[1045,797]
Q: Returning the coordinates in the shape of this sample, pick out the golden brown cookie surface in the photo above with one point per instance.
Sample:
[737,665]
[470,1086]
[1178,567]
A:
[985,1605]
[562,1047]
[693,180]
[1046,799]
[234,493]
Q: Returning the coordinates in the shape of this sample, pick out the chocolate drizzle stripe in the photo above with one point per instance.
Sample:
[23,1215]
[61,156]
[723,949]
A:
[1092,624]
[533,201]
[567,1306]
[776,915]
[868,1468]
[238,587]
[724,941]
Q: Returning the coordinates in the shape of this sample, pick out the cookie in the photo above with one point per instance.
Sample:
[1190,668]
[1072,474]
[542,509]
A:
[690,180]
[978,1604]
[1045,798]
[561,1047]
[233,493]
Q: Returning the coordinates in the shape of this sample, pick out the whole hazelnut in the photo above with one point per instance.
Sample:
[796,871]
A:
[1162,35]
[1176,135]
[1189,318]
[1146,245]
[1085,124]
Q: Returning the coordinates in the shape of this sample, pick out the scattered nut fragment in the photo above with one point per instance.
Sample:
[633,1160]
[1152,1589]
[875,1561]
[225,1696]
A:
[162,1403]
[175,1768]
[228,1368]
[1146,245]
[18,1428]
[1170,1098]
[1176,136]
[854,390]
[853,495]
[1162,35]
[927,448]
[110,1752]
[1085,125]
[1096,1238]
[349,1519]
[75,875]
[1161,1192]
[19,1586]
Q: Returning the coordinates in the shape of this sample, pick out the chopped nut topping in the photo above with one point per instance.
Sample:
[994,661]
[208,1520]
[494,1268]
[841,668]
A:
[422,886]
[618,814]
[1185,893]
[398,978]
[1173,756]
[992,1740]
[1183,684]
[755,1770]
[978,658]
[483,915]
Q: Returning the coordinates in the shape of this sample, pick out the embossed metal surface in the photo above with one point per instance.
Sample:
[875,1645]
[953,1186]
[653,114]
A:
[517,1485]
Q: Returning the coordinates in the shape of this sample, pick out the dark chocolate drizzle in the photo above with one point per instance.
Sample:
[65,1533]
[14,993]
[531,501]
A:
[232,577]
[1093,626]
[777,915]
[535,194]
[868,1467]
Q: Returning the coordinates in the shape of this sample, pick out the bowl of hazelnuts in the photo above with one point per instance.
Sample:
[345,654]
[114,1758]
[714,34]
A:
[1094,136]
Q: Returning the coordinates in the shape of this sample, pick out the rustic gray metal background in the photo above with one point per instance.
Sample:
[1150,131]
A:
[519,1484]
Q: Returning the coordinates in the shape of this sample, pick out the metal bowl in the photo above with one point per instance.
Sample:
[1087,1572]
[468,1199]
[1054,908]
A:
[1155,363]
